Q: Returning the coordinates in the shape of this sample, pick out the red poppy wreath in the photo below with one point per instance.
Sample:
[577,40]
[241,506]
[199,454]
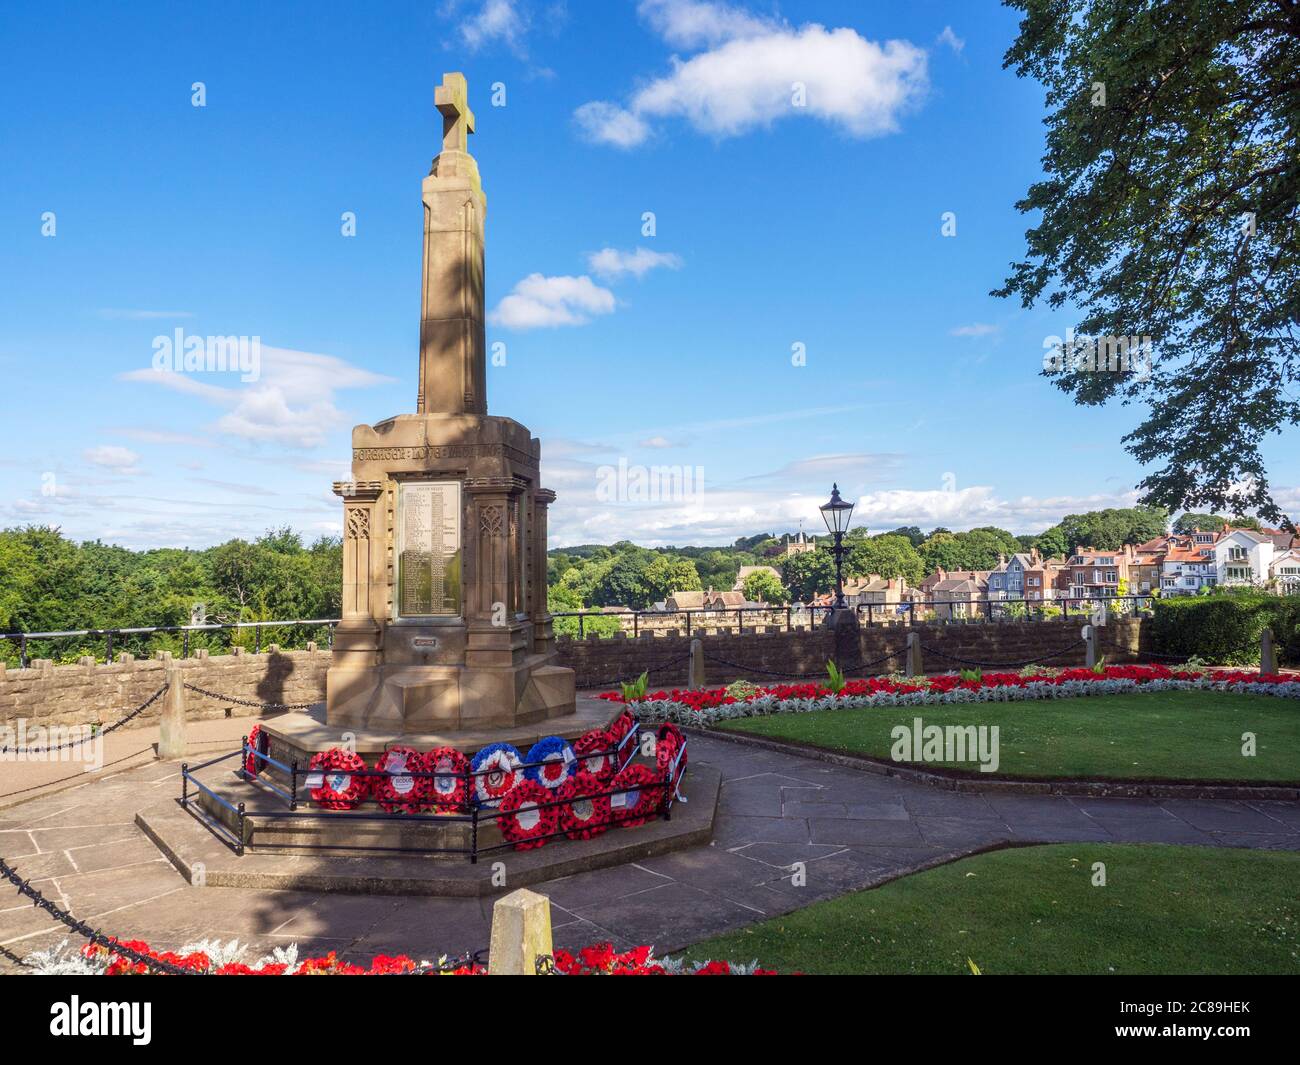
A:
[594,750]
[637,796]
[585,812]
[448,788]
[260,742]
[333,779]
[524,820]
[670,753]
[398,792]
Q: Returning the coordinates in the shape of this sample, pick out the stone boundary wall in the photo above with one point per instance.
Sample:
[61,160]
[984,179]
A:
[89,693]
[768,650]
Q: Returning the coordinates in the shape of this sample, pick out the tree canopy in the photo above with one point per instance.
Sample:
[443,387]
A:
[1171,210]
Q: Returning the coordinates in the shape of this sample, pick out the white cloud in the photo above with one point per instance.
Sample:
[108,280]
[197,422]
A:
[695,23]
[292,402]
[951,40]
[748,78]
[604,123]
[657,442]
[496,20]
[610,263]
[112,457]
[539,302]
[975,329]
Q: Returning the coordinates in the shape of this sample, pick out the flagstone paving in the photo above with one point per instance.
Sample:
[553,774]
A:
[789,831]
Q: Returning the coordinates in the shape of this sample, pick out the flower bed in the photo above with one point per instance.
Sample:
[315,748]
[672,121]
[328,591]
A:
[213,958]
[702,707]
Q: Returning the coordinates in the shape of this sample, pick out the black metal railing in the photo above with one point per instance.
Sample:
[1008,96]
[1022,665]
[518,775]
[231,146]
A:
[911,613]
[470,811]
[142,636]
[790,617]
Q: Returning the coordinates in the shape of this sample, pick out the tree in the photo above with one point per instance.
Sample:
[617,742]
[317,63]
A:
[1190,523]
[623,583]
[942,551]
[1171,211]
[667,574]
[764,587]
[1110,529]
[808,574]
[912,532]
[887,556]
[1051,543]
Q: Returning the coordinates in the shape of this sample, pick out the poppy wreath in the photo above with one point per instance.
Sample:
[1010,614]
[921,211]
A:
[585,812]
[668,744]
[637,796]
[257,741]
[623,724]
[333,781]
[593,750]
[398,792]
[550,762]
[524,820]
[448,788]
[496,773]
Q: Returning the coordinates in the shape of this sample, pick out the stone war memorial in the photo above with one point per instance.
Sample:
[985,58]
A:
[448,729]
[445,634]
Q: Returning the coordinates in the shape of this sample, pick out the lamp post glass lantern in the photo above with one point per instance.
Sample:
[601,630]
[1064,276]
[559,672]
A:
[836,513]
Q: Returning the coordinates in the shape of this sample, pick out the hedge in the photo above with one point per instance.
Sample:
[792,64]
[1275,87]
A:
[1225,627]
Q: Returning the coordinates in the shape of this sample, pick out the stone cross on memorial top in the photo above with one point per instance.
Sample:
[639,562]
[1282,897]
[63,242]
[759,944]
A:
[452,99]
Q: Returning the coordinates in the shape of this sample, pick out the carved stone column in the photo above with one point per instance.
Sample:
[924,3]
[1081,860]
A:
[494,630]
[356,638]
[543,636]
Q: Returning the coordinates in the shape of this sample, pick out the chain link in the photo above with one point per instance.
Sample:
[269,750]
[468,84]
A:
[248,702]
[84,930]
[102,732]
[1002,665]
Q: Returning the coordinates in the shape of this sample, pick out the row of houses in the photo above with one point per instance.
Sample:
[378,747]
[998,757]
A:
[1172,565]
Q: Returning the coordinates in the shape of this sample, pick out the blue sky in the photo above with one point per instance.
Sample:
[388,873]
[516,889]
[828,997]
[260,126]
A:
[775,226]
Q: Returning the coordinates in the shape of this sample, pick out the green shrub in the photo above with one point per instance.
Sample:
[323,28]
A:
[1224,628]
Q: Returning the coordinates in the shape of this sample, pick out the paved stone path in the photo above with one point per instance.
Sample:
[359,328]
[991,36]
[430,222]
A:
[850,829]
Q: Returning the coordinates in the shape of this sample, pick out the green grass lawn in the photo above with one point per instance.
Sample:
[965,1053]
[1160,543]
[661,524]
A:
[1035,910]
[1167,735]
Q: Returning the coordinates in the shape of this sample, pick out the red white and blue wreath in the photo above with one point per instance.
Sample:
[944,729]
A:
[594,753]
[257,741]
[550,762]
[399,792]
[496,773]
[526,819]
[585,812]
[333,779]
[448,789]
[637,795]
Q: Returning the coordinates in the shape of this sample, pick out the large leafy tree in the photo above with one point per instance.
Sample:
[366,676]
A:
[808,574]
[887,556]
[764,587]
[1170,209]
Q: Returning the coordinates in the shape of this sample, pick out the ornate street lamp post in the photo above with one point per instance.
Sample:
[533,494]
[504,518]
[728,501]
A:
[836,514]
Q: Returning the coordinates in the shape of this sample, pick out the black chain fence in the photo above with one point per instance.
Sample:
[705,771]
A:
[254,703]
[1002,665]
[102,732]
